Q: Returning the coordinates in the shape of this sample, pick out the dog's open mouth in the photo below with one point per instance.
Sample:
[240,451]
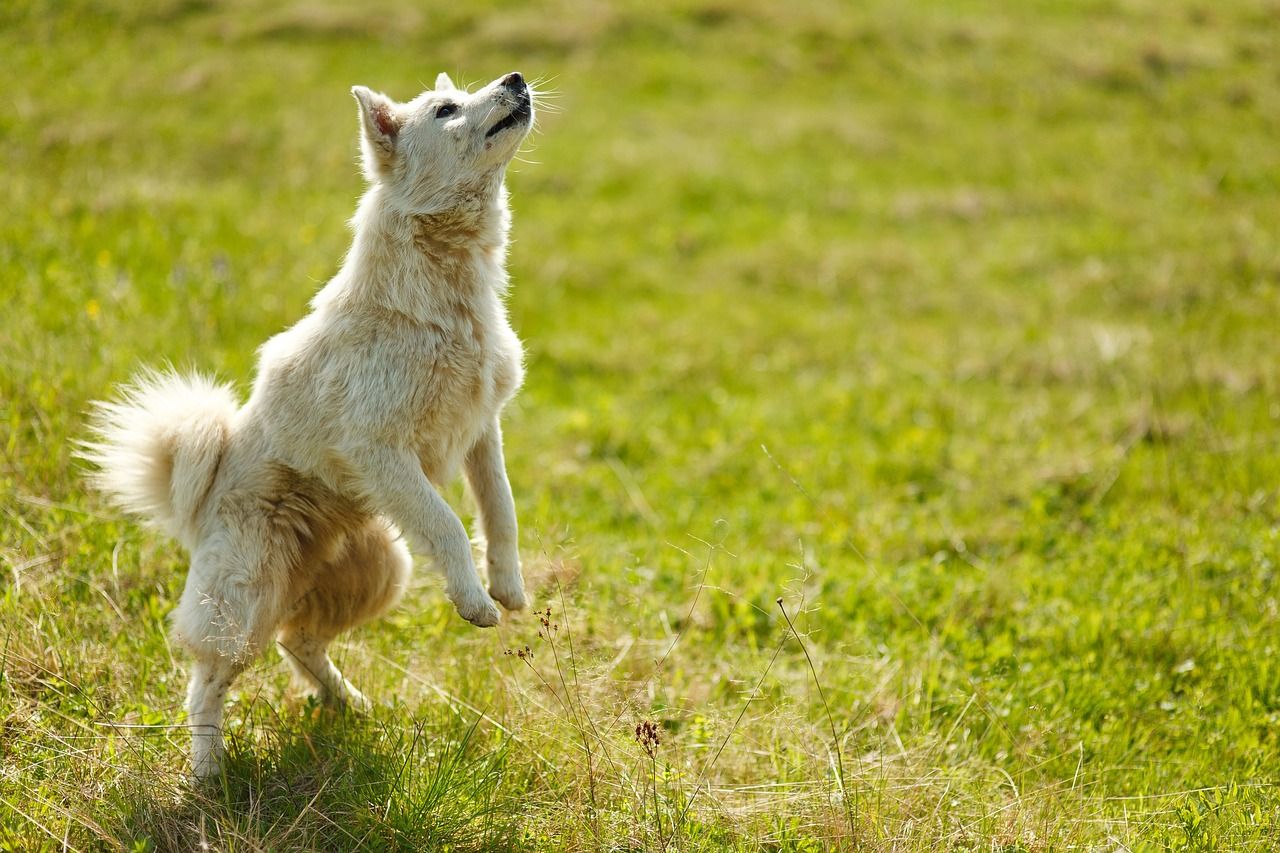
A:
[519,116]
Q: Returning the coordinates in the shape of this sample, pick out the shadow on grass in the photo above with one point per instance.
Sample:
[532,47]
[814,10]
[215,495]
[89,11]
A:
[318,779]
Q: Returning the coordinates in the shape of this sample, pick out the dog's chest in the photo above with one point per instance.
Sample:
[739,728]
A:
[470,368]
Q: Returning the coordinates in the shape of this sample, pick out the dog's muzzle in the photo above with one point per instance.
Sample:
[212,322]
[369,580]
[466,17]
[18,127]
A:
[513,84]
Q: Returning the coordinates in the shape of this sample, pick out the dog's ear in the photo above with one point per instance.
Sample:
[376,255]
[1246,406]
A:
[443,83]
[380,122]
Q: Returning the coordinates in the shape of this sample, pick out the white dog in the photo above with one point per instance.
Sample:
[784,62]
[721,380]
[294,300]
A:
[393,382]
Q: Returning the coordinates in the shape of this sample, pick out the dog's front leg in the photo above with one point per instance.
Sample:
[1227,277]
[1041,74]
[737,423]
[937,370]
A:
[487,476]
[393,479]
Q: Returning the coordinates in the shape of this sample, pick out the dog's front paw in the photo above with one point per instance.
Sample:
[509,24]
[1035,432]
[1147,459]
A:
[477,607]
[505,581]
[508,589]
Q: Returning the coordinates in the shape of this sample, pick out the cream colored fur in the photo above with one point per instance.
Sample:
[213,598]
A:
[290,505]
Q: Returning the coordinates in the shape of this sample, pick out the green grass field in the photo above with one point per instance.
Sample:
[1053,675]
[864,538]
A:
[954,325]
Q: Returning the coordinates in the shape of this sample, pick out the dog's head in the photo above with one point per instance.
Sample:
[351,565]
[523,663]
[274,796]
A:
[446,145]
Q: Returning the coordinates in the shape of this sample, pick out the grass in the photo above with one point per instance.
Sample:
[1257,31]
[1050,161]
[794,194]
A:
[951,323]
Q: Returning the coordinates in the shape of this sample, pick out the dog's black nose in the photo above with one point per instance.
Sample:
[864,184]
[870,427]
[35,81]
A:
[513,81]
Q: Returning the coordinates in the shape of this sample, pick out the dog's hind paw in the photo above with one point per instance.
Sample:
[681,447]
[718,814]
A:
[344,698]
[206,765]
[356,702]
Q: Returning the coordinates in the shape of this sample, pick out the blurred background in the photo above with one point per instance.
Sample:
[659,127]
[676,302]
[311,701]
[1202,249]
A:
[952,323]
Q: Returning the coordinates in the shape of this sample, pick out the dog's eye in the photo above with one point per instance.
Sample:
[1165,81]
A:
[446,110]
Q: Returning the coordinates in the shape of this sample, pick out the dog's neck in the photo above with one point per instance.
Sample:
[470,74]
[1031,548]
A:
[477,219]
[418,263]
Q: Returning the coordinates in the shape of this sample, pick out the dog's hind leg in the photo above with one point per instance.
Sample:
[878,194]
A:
[211,678]
[308,656]
[229,609]
[364,579]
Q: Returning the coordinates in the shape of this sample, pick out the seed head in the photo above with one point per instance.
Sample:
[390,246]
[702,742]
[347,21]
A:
[647,737]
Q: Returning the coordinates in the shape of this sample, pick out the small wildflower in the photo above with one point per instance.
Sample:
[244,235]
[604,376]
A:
[525,654]
[647,737]
[544,618]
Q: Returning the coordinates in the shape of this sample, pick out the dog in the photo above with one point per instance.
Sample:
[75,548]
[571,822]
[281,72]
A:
[293,505]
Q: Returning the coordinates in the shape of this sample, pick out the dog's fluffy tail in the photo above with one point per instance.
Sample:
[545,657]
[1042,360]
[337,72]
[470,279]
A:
[158,447]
